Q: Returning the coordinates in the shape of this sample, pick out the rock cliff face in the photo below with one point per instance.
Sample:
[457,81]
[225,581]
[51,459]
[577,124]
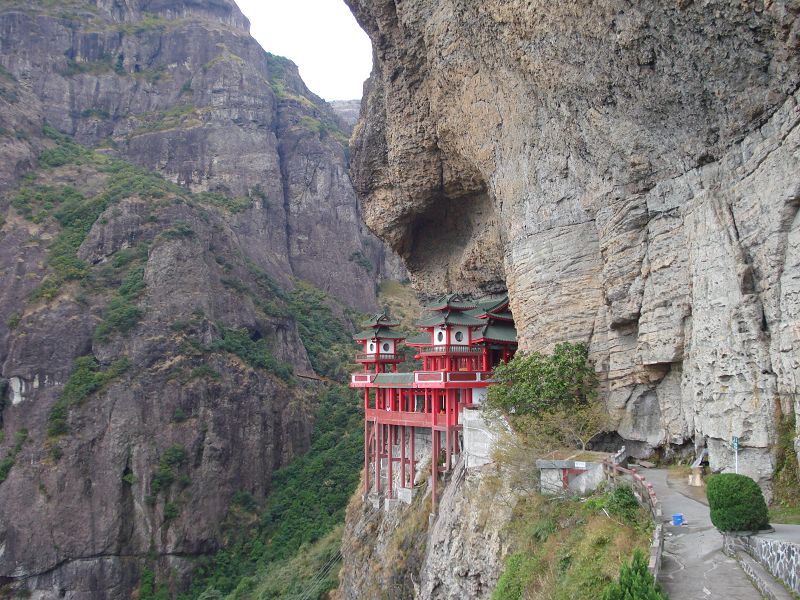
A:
[627,170]
[182,88]
[394,553]
[150,359]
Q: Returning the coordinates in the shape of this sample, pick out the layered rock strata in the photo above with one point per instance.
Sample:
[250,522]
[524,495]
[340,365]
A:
[628,171]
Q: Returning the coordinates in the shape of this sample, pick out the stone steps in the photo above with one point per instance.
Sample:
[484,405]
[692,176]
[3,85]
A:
[769,587]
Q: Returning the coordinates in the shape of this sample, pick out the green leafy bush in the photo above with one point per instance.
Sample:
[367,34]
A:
[622,502]
[170,462]
[536,382]
[5,467]
[635,582]
[20,437]
[736,503]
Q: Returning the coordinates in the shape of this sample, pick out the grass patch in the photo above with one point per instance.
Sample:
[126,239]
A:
[147,23]
[103,64]
[568,549]
[87,378]
[325,129]
[229,203]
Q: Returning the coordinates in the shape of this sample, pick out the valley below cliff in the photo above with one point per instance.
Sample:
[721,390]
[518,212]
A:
[182,260]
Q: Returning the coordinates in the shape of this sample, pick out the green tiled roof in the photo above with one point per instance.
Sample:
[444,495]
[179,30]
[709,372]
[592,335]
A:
[422,339]
[380,320]
[394,379]
[492,304]
[505,315]
[450,301]
[498,332]
[450,318]
[379,332]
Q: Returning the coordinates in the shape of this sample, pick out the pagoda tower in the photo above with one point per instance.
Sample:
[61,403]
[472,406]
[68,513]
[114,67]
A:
[460,342]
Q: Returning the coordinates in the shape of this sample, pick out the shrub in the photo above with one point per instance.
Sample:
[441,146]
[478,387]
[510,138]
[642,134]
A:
[5,467]
[622,502]
[173,459]
[635,581]
[535,382]
[736,503]
[171,511]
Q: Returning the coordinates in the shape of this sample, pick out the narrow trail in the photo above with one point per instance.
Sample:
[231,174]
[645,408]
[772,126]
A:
[693,566]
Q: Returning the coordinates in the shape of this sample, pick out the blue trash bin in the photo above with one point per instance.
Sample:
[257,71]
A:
[677,520]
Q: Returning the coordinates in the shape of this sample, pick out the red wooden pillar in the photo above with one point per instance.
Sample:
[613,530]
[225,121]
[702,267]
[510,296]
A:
[378,441]
[389,461]
[434,467]
[413,456]
[366,457]
[448,410]
[403,456]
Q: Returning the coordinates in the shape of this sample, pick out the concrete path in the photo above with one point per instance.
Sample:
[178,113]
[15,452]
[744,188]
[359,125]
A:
[693,566]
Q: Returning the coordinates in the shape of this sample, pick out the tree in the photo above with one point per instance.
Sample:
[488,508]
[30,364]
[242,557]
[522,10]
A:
[635,582]
[552,399]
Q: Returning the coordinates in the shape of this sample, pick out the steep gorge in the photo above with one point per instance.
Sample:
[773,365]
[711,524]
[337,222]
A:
[177,225]
[628,171]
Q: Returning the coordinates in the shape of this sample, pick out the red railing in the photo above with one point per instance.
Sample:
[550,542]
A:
[361,357]
[647,497]
[362,378]
[451,349]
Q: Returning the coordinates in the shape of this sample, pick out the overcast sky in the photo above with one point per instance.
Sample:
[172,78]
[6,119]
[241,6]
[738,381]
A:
[320,36]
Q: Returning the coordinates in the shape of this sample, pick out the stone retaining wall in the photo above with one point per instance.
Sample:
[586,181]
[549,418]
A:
[780,558]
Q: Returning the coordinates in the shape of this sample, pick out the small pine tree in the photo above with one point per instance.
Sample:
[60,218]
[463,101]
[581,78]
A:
[635,582]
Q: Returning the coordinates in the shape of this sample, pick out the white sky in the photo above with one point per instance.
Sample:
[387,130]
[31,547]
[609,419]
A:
[321,36]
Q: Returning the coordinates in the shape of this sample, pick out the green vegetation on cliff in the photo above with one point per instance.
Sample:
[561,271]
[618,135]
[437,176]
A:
[571,549]
[298,523]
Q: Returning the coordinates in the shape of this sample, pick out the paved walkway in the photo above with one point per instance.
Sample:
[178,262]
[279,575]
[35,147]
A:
[693,566]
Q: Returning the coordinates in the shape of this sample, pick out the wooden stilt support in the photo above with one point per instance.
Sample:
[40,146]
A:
[413,456]
[434,468]
[378,442]
[389,478]
[366,457]
[404,482]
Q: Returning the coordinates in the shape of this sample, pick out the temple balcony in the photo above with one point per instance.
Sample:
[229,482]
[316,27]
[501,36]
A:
[436,379]
[361,379]
[384,358]
[451,350]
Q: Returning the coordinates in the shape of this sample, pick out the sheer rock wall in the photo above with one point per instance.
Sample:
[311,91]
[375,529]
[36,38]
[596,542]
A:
[627,170]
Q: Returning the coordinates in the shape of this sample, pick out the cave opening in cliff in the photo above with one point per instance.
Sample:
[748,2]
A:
[455,246]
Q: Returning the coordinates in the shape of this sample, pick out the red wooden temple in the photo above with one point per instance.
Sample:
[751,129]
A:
[460,343]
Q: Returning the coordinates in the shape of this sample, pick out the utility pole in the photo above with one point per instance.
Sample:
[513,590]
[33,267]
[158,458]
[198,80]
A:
[735,446]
